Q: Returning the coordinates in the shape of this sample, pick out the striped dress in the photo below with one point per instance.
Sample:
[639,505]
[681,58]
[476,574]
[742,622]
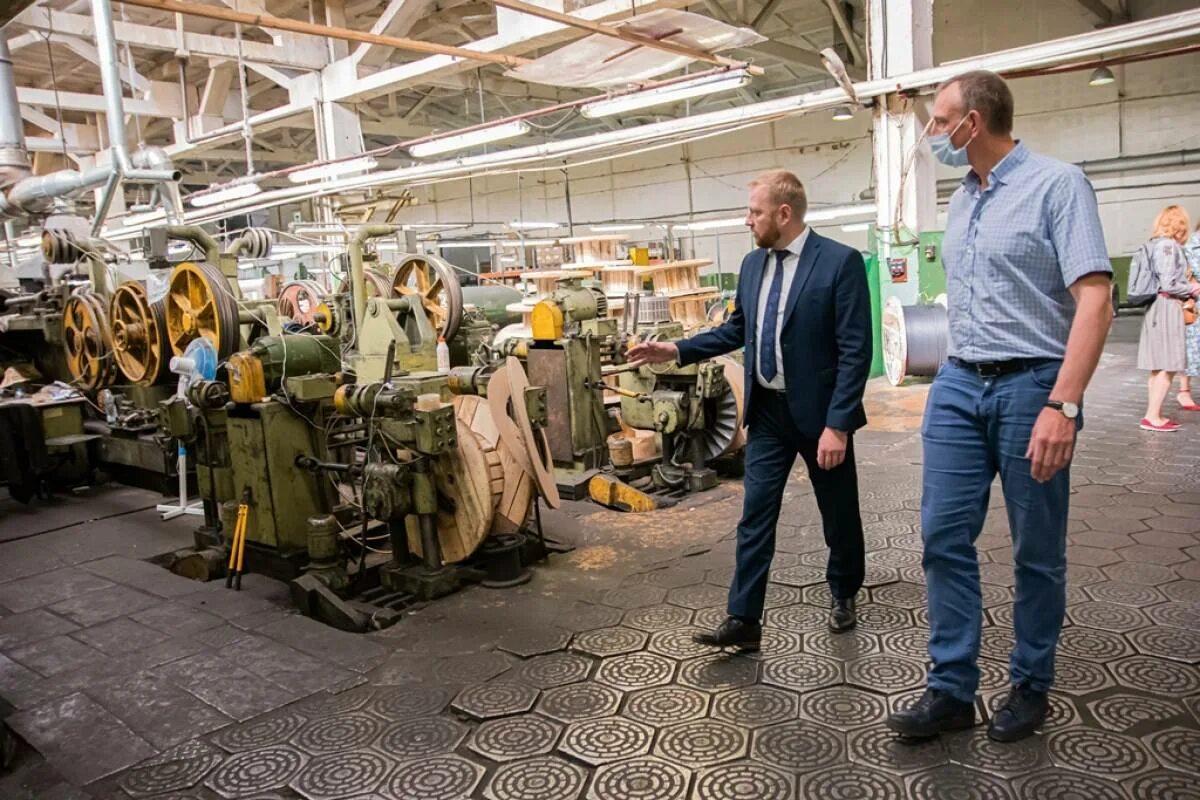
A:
[1161,346]
[1192,332]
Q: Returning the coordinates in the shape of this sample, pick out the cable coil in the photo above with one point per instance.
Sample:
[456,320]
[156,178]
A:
[915,339]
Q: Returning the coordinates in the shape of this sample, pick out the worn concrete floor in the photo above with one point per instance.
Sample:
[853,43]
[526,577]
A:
[129,682]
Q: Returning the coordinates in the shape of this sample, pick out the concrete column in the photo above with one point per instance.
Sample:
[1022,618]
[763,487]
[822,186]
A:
[900,40]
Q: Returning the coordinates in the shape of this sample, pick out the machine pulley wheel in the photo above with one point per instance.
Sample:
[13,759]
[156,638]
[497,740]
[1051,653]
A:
[298,300]
[435,283]
[200,304]
[139,334]
[258,242]
[377,282]
[60,247]
[727,432]
[87,342]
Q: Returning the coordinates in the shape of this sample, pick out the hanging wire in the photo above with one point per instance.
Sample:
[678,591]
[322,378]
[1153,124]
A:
[137,118]
[62,134]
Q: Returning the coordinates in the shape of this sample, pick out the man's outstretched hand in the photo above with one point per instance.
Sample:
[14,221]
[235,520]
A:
[653,352]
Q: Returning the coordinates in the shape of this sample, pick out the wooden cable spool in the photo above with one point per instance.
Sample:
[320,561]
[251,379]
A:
[299,300]
[516,488]
[735,376]
[87,342]
[537,446]
[464,476]
[436,284]
[199,303]
[139,334]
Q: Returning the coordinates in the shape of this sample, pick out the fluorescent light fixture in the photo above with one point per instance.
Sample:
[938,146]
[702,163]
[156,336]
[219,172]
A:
[144,218]
[527,242]
[712,224]
[533,226]
[333,169]
[843,113]
[837,212]
[466,243]
[856,227]
[615,228]
[238,191]
[304,249]
[507,259]
[1101,76]
[673,93]
[323,228]
[465,141]
[434,226]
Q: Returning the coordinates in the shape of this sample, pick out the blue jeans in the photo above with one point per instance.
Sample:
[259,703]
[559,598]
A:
[973,428]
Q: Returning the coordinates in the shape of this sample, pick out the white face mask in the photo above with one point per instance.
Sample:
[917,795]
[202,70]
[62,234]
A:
[945,151]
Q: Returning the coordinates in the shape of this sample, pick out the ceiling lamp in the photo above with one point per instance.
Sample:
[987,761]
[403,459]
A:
[238,191]
[837,212]
[673,93]
[333,169]
[615,228]
[1101,76]
[144,218]
[710,224]
[533,226]
[843,114]
[465,141]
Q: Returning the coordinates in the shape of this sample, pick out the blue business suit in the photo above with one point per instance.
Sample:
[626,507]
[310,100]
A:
[826,346]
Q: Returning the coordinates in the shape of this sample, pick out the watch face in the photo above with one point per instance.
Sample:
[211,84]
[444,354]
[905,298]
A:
[1070,410]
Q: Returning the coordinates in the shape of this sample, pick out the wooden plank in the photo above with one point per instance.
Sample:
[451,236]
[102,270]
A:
[517,496]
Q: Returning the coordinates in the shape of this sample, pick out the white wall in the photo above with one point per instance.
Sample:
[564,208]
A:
[1153,108]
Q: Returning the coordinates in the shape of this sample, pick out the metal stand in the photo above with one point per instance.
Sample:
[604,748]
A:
[172,511]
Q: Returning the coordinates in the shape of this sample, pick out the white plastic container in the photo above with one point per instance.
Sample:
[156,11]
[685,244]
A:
[443,355]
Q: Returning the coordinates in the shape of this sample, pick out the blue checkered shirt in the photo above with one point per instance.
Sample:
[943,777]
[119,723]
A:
[1012,250]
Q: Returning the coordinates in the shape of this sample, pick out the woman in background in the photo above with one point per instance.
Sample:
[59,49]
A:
[1161,348]
[1191,335]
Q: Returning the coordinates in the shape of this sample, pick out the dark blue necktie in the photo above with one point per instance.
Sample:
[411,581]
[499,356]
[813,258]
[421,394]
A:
[766,348]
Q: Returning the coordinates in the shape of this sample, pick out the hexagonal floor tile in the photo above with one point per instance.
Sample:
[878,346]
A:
[745,779]
[700,596]
[636,671]
[1162,785]
[255,771]
[579,701]
[640,779]
[955,781]
[1173,643]
[901,595]
[607,739]
[527,643]
[666,705]
[515,738]
[338,733]
[1175,615]
[755,706]
[555,669]
[1092,645]
[485,701]
[1107,616]
[1098,752]
[1150,674]
[678,643]
[634,596]
[414,738]
[850,780]
[342,774]
[844,707]
[885,673]
[1123,712]
[880,748]
[797,618]
[657,618]
[445,777]
[1126,594]
[400,702]
[798,746]
[1053,783]
[701,743]
[845,646]
[718,672]
[974,749]
[802,672]
[609,641]
[537,779]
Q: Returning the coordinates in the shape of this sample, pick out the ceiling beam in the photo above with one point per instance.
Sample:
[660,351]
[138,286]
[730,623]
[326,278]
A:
[96,104]
[1100,9]
[397,19]
[46,20]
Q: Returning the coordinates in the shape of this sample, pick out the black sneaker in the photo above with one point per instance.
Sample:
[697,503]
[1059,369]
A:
[936,712]
[733,632]
[1023,712]
[842,615]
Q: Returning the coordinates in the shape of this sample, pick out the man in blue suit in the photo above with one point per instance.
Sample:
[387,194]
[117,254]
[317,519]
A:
[803,315]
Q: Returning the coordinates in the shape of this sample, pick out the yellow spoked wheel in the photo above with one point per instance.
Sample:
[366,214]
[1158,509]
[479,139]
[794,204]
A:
[200,304]
[87,342]
[139,334]
[434,282]
[298,301]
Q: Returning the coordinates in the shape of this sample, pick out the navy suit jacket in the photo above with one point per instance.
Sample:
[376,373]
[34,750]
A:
[826,336]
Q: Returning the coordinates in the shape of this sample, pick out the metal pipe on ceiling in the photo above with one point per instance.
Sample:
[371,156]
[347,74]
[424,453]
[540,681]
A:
[1100,166]
[14,158]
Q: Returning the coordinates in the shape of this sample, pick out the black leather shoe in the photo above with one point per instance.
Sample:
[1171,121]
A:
[1023,712]
[842,616]
[733,632]
[936,712]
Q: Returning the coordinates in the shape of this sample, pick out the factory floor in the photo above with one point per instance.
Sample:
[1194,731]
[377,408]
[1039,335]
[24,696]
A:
[128,682]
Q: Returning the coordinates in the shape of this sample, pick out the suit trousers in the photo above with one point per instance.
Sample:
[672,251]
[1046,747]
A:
[771,450]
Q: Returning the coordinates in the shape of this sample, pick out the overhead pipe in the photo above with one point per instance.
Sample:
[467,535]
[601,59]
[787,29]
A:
[14,158]
[1100,166]
[199,237]
[358,282]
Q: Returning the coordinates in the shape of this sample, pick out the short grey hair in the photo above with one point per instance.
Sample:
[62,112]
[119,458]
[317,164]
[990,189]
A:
[987,93]
[784,189]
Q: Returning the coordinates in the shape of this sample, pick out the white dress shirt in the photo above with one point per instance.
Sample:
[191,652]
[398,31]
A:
[790,262]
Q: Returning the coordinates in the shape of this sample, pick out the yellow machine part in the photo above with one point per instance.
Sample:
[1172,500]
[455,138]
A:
[247,382]
[546,322]
[615,493]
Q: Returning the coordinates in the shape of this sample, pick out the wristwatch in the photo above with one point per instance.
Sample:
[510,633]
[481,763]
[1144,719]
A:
[1069,410]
